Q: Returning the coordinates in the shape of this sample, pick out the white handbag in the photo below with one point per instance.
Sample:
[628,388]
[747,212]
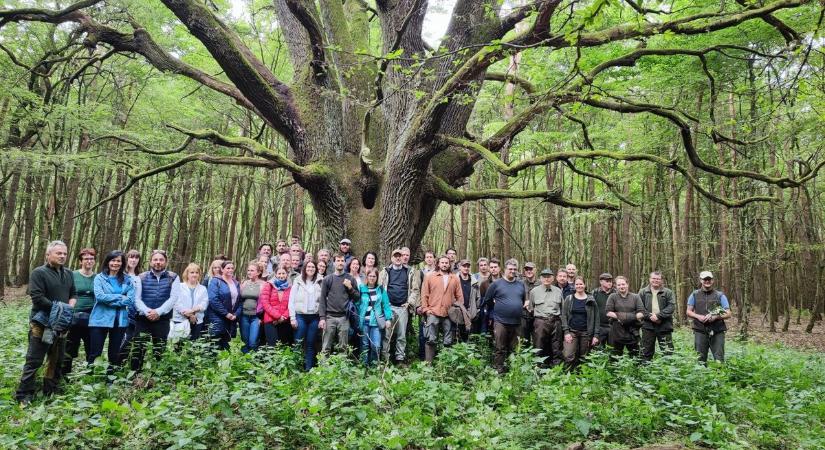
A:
[180,330]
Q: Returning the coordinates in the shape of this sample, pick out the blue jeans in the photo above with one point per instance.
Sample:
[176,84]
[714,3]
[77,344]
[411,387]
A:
[250,329]
[370,344]
[306,335]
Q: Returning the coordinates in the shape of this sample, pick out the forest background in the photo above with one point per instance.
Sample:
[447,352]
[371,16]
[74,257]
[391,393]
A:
[80,119]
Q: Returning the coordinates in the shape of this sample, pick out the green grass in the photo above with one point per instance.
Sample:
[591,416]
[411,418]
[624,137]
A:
[764,397]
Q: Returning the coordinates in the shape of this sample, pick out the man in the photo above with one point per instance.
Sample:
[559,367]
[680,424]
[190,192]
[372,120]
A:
[282,251]
[403,286]
[337,290]
[544,301]
[571,272]
[441,289]
[564,283]
[295,240]
[84,287]
[708,308]
[429,263]
[50,286]
[323,255]
[470,295]
[530,281]
[345,248]
[626,310]
[451,253]
[296,262]
[296,250]
[483,269]
[507,297]
[154,308]
[658,317]
[484,318]
[429,267]
[405,256]
[601,294]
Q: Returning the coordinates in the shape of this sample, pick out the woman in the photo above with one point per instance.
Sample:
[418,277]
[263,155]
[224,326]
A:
[579,323]
[374,314]
[224,305]
[304,299]
[190,300]
[354,269]
[370,261]
[250,292]
[214,271]
[114,295]
[322,269]
[84,287]
[133,271]
[274,302]
[265,256]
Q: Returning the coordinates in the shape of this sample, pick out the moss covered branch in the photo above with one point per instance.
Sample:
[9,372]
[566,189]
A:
[443,191]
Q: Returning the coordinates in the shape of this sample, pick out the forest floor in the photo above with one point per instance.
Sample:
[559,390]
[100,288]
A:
[764,396]
[795,337]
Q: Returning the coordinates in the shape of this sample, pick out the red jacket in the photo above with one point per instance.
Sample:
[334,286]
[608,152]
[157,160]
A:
[274,307]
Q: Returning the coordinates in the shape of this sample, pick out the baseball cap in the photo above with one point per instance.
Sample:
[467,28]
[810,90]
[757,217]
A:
[705,274]
[606,276]
[397,252]
[547,272]
[530,265]
[464,262]
[345,241]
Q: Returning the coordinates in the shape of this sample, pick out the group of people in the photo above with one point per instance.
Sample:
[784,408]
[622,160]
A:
[343,303]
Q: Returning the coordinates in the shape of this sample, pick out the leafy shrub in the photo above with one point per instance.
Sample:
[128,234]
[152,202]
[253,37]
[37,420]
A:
[763,397]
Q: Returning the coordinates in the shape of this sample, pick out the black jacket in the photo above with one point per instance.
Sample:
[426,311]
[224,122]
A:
[667,306]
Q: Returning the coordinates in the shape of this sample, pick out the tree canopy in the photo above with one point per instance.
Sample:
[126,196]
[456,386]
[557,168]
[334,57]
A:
[380,128]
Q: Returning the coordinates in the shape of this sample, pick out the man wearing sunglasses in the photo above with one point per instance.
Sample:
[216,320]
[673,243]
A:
[708,308]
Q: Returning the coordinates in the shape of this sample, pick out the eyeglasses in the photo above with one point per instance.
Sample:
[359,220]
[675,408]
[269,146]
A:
[529,268]
[707,279]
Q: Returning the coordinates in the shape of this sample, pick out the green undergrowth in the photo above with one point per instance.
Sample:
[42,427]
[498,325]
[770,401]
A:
[764,397]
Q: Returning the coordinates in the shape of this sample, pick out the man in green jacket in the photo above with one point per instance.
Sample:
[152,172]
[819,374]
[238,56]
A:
[657,325]
[49,284]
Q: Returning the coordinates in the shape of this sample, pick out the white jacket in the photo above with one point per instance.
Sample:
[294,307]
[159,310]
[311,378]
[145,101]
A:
[182,300]
[304,298]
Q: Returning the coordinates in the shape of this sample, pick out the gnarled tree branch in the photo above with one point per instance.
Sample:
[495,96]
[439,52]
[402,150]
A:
[203,157]
[443,191]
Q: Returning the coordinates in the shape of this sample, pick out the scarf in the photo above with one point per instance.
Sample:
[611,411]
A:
[280,285]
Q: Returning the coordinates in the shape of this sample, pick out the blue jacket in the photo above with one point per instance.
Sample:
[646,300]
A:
[156,292]
[111,309]
[220,303]
[363,302]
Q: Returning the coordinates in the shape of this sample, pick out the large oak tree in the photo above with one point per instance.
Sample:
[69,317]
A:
[378,135]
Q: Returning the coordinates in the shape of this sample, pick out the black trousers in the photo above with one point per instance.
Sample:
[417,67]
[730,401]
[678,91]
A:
[631,347]
[38,351]
[281,332]
[78,333]
[98,336]
[146,330]
[649,339]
